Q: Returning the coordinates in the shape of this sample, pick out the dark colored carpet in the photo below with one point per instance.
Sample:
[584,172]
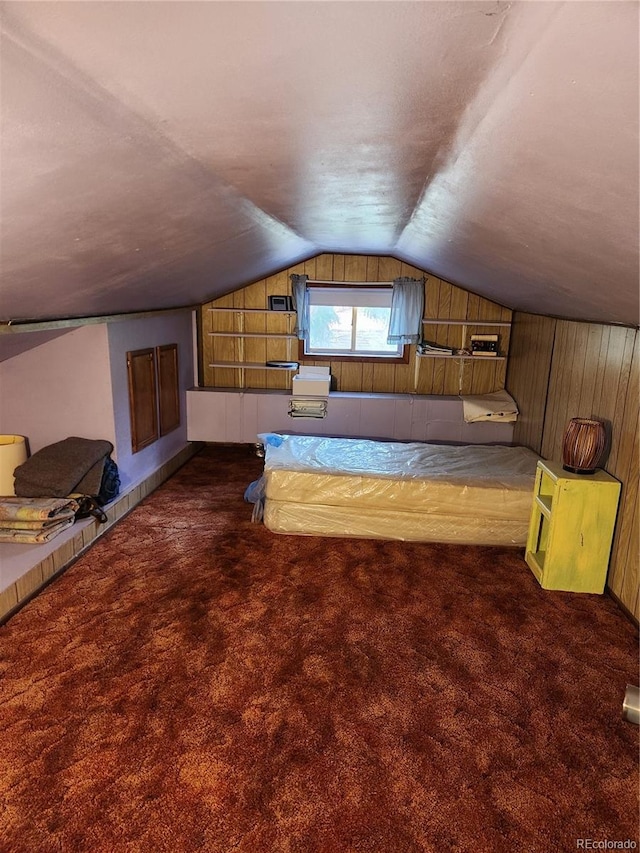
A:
[197,683]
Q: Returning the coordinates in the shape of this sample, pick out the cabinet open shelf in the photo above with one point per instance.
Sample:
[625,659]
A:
[545,502]
[443,321]
[251,311]
[464,325]
[252,335]
[460,357]
[240,334]
[245,365]
[571,528]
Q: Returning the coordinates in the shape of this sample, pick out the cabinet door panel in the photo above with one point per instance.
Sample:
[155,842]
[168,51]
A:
[168,387]
[143,398]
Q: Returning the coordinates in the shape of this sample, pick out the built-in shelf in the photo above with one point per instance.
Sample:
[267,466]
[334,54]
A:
[464,325]
[460,357]
[26,568]
[250,311]
[245,365]
[241,334]
[443,321]
[251,335]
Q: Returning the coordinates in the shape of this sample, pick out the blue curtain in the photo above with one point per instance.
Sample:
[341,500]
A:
[407,311]
[301,304]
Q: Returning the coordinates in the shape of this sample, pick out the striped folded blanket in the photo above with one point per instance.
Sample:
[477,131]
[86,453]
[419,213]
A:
[36,509]
[33,520]
[36,535]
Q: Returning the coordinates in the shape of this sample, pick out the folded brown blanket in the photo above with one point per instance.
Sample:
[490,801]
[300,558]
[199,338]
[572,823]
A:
[73,465]
[35,509]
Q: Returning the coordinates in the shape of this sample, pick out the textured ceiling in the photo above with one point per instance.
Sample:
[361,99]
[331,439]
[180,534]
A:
[157,154]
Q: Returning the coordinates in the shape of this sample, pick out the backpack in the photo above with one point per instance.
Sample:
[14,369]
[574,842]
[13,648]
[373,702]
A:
[109,488]
[110,484]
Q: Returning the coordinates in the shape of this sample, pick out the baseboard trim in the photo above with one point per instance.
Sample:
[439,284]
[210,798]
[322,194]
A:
[15,596]
[631,616]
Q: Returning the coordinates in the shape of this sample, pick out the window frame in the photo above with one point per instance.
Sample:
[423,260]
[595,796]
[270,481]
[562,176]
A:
[401,358]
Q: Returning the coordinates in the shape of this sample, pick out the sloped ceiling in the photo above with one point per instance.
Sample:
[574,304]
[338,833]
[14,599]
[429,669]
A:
[158,154]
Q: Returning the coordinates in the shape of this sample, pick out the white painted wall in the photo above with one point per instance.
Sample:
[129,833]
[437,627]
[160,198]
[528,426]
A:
[59,389]
[238,416]
[126,335]
[77,385]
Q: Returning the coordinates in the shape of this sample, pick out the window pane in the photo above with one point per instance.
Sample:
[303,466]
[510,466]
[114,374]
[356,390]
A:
[371,330]
[329,327]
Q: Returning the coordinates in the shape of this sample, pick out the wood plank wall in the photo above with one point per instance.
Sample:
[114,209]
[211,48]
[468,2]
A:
[560,369]
[528,374]
[423,376]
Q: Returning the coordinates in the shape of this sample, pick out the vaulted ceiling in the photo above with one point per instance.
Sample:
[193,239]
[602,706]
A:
[158,154]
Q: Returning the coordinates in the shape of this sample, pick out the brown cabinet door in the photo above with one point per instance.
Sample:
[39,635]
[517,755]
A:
[143,398]
[168,387]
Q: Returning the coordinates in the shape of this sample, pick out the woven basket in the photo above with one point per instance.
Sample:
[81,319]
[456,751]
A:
[582,445]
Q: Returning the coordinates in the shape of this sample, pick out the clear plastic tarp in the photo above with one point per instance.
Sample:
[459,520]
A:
[355,487]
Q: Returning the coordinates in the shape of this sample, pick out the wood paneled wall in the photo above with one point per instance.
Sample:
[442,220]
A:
[561,369]
[422,376]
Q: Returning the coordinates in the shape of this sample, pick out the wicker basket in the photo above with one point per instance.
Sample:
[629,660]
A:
[582,445]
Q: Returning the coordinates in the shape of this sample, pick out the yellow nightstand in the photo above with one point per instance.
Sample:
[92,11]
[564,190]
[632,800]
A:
[571,528]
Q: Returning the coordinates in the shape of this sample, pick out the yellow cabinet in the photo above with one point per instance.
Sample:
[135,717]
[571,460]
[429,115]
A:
[571,528]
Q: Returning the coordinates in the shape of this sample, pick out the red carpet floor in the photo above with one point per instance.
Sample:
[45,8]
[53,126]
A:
[197,683]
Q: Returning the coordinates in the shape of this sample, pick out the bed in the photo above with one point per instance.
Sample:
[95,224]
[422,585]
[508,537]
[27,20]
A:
[476,494]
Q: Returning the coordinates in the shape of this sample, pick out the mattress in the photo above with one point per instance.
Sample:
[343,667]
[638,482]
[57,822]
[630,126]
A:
[354,487]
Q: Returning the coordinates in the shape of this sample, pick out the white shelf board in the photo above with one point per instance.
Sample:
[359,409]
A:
[246,365]
[250,311]
[251,335]
[460,357]
[443,321]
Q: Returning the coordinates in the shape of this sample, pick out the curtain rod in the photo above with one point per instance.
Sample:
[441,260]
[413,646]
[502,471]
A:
[351,283]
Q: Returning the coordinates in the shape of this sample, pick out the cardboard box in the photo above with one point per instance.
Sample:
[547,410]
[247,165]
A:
[312,382]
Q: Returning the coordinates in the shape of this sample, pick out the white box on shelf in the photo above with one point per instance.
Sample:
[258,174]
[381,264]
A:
[312,381]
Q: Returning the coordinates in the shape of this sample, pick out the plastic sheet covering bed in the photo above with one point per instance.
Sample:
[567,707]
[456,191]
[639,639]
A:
[392,490]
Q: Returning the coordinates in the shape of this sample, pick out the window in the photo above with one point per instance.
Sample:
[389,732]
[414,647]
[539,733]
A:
[350,321]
